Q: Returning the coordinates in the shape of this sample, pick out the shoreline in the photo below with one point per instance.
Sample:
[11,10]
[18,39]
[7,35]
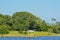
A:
[35,34]
[24,36]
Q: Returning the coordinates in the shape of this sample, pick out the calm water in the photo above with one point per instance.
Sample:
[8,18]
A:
[27,38]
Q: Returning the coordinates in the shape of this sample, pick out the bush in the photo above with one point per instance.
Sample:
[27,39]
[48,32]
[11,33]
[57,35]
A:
[20,31]
[4,29]
[25,32]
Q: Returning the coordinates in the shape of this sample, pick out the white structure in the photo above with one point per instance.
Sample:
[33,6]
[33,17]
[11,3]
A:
[30,31]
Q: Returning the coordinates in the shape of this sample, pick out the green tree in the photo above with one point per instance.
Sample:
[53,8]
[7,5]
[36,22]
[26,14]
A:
[26,19]
[4,29]
[44,26]
[54,20]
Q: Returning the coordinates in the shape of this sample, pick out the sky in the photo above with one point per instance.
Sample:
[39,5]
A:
[44,9]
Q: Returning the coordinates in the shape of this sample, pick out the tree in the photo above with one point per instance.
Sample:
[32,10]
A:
[50,29]
[4,29]
[44,26]
[53,19]
[57,27]
[26,19]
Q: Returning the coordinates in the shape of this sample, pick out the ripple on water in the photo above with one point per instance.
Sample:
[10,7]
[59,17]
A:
[31,38]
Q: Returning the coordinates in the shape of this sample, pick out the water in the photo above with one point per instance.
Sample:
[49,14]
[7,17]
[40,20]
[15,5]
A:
[31,38]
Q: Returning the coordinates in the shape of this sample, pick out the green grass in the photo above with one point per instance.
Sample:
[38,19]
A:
[44,34]
[16,33]
[34,33]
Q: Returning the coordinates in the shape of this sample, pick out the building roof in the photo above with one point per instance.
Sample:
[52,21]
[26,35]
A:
[30,30]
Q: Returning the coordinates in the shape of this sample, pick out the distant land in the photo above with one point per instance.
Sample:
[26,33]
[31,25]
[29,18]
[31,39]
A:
[26,24]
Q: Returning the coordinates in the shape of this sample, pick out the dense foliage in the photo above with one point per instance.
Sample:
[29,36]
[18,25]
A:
[4,29]
[24,21]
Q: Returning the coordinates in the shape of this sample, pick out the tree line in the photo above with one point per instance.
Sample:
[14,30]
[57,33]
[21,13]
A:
[24,21]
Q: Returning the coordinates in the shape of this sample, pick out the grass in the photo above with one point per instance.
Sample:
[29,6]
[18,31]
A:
[44,34]
[16,33]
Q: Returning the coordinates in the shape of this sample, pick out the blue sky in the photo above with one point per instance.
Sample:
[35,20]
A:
[45,9]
